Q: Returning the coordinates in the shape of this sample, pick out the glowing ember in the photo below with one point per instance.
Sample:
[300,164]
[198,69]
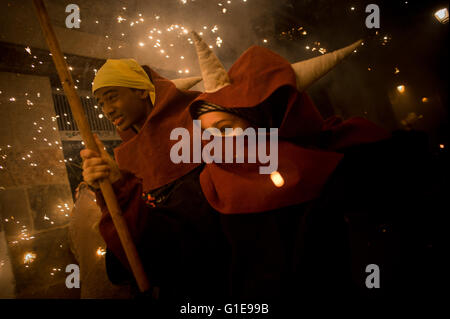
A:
[277,179]
[29,258]
[101,251]
[401,88]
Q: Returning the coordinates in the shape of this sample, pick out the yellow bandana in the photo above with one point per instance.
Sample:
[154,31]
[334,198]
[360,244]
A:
[125,73]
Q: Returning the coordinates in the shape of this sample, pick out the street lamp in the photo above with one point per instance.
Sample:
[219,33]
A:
[442,15]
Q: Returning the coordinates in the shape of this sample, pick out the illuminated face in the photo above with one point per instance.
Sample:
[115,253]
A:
[222,120]
[124,107]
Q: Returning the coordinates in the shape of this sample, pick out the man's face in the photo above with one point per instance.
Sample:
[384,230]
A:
[124,107]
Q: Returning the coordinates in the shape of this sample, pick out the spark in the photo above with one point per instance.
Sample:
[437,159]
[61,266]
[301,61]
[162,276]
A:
[29,258]
[101,251]
[277,179]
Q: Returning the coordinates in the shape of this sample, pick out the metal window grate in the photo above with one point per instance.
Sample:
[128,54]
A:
[66,121]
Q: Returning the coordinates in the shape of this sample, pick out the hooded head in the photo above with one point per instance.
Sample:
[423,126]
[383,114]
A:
[266,91]
[260,88]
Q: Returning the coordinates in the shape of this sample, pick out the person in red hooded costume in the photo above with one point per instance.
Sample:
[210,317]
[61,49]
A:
[217,231]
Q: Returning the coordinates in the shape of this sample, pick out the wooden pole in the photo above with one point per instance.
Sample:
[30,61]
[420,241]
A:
[88,138]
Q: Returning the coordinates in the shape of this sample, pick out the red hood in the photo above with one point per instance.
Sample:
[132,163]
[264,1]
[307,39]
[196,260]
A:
[237,188]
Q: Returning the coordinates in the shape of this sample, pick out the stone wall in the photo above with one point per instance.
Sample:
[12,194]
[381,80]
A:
[35,196]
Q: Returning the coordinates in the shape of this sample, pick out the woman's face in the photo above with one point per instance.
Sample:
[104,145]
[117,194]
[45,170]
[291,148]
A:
[124,107]
[222,120]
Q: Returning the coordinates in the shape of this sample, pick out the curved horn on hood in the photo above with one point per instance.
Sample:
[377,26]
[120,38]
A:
[214,74]
[309,71]
[186,83]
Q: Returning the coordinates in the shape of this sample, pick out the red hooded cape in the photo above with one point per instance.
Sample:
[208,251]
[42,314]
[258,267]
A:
[237,188]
